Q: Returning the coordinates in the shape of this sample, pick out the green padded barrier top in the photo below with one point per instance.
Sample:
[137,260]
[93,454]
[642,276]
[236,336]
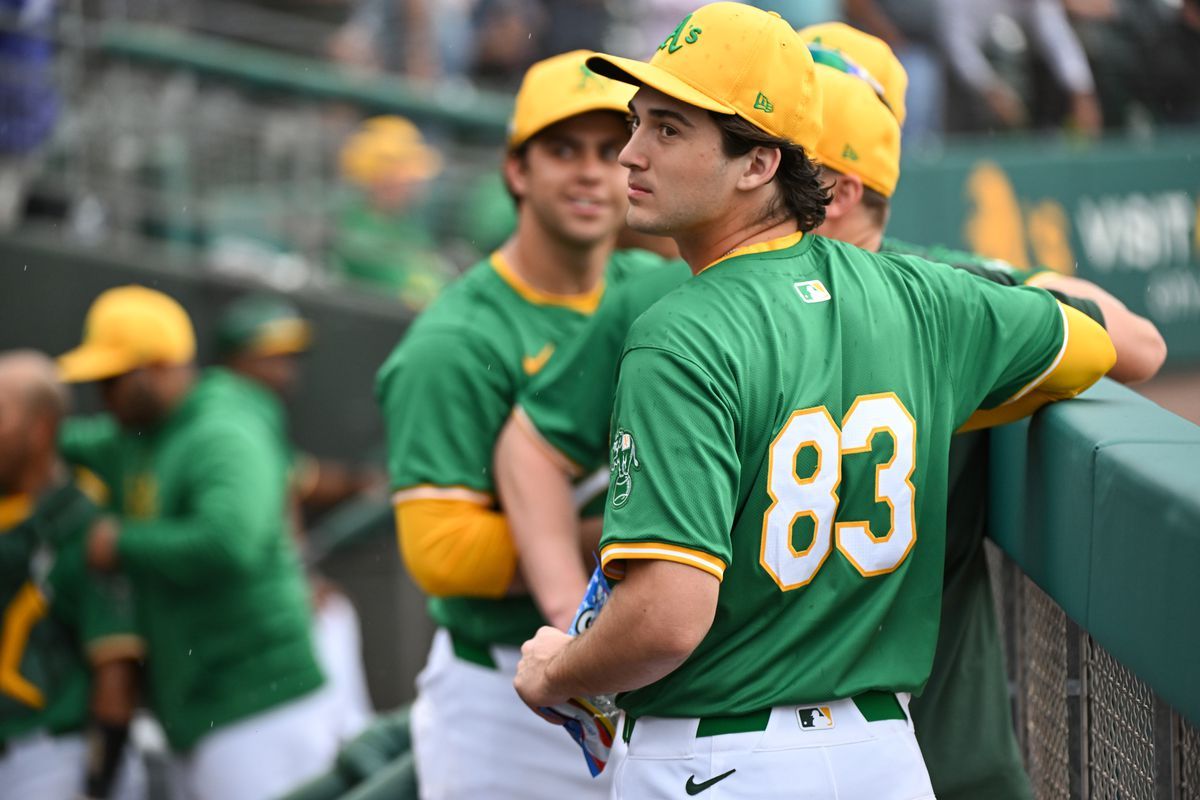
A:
[1098,501]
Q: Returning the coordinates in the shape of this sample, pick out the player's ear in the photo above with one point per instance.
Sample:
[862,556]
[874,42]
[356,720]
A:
[761,164]
[516,174]
[846,193]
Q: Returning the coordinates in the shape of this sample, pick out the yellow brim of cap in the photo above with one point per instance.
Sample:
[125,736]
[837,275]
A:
[584,105]
[641,73]
[92,363]
[284,342]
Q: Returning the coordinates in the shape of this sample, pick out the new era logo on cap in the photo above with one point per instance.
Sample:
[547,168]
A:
[763,104]
[815,719]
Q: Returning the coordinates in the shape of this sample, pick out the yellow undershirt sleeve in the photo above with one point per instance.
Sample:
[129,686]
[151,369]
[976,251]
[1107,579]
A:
[456,548]
[1087,355]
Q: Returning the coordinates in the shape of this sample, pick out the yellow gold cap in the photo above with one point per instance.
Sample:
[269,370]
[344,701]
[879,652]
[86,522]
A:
[733,59]
[560,87]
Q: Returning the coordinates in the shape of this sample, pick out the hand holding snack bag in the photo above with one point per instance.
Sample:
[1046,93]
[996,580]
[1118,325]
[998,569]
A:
[591,721]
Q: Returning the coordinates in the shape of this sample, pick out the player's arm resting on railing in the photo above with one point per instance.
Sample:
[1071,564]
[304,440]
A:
[1140,348]
[1086,354]
[534,481]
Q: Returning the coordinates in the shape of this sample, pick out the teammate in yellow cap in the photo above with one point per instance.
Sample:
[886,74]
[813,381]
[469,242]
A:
[779,439]
[445,392]
[962,717]
[198,476]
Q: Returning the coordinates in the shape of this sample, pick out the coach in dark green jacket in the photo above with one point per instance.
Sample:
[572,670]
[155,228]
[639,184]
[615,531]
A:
[199,474]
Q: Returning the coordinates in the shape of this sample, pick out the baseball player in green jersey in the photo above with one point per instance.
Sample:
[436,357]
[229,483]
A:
[445,393]
[795,398]
[261,338]
[67,648]
[198,471]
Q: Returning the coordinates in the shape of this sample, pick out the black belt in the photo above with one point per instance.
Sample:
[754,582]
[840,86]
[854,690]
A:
[875,706]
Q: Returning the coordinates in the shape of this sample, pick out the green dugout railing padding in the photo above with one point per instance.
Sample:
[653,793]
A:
[470,111]
[1098,501]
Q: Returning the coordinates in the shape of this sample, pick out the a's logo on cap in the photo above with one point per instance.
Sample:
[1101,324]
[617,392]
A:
[589,80]
[672,42]
[763,104]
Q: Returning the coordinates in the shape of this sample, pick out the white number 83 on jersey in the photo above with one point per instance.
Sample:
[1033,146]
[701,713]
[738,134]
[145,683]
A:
[793,497]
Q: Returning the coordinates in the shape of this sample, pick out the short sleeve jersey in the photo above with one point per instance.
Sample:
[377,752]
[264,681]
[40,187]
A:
[782,421]
[57,616]
[570,402]
[450,385]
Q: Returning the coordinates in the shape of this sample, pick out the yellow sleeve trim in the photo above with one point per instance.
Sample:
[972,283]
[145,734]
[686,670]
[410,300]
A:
[560,459]
[612,556]
[428,491]
[1046,373]
[1087,354]
[455,548]
[116,647]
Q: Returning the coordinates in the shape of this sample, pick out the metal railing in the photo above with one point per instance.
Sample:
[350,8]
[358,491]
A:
[1089,729]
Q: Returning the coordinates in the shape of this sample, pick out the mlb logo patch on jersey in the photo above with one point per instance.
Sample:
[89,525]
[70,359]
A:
[812,291]
[815,719]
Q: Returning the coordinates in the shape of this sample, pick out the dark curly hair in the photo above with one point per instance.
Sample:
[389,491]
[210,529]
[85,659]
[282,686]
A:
[802,194]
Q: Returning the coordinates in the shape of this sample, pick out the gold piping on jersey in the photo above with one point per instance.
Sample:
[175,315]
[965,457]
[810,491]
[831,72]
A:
[658,551]
[22,614]
[1040,379]
[429,491]
[584,302]
[560,459]
[769,246]
[14,509]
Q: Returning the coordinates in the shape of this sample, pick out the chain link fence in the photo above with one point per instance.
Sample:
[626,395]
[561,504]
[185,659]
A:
[1089,729]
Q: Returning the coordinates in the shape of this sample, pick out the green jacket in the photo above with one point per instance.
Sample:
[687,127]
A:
[219,591]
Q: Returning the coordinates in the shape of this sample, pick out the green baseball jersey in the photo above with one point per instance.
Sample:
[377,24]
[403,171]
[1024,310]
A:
[220,596]
[57,616]
[450,385]
[570,402]
[783,422]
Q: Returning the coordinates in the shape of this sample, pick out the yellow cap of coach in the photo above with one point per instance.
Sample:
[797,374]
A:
[388,146]
[733,59]
[861,134]
[560,87]
[126,328]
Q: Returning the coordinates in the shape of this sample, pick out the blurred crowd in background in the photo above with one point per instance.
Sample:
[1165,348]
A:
[262,175]
[294,191]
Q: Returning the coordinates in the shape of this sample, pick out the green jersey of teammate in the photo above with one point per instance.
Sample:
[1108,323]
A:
[777,351]
[221,599]
[448,388]
[58,617]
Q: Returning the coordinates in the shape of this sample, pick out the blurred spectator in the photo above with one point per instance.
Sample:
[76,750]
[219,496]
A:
[802,13]
[198,475]
[910,27]
[399,36]
[28,99]
[67,661]
[1145,55]
[261,338]
[379,241]
[508,35]
[1011,33]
